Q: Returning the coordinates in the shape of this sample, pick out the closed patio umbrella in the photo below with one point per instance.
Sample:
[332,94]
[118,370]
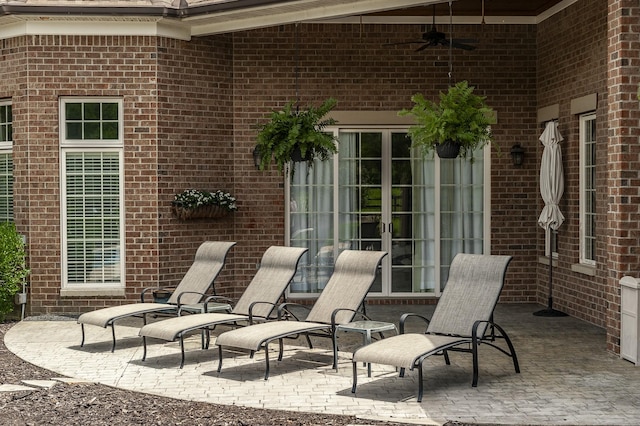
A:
[551,189]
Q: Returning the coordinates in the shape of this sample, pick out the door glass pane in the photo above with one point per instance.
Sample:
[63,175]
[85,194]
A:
[360,193]
[402,255]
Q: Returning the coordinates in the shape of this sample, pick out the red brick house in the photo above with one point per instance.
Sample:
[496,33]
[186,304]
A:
[108,109]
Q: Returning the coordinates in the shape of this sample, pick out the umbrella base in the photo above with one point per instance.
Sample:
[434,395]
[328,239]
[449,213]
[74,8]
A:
[549,313]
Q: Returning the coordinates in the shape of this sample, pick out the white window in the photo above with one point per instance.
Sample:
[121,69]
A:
[588,189]
[92,192]
[6,162]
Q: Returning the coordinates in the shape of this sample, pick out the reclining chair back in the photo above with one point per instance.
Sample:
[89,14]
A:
[472,292]
[277,268]
[353,274]
[206,266]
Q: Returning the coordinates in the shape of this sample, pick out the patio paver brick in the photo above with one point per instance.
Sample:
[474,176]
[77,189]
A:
[567,375]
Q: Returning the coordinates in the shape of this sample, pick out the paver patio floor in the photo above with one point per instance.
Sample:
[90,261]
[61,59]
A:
[567,376]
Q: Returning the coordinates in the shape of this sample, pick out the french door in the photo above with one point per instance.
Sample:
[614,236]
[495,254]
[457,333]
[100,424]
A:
[379,194]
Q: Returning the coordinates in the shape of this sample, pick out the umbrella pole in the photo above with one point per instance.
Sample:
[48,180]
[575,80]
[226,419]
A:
[550,312]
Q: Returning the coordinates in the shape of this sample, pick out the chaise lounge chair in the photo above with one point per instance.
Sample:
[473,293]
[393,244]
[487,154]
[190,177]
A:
[259,300]
[344,294]
[463,317]
[206,266]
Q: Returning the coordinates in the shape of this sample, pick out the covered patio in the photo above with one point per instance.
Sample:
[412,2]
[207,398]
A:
[567,377]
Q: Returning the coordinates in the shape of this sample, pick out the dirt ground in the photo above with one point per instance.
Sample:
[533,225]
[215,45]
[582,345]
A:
[94,404]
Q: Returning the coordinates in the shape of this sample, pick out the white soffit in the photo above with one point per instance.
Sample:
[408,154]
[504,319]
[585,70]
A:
[554,9]
[291,12]
[245,18]
[93,25]
[440,20]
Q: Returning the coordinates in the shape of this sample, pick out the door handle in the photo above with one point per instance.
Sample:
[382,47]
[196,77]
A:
[391,227]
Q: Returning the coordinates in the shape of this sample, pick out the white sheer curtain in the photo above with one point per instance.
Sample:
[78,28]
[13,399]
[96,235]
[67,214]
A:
[311,224]
[349,201]
[461,209]
[424,222]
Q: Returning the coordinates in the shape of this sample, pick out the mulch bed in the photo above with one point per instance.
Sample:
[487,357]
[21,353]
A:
[83,404]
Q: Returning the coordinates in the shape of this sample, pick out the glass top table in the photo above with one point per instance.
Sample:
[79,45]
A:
[366,328]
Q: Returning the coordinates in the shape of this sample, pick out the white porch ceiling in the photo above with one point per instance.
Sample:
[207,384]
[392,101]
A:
[291,12]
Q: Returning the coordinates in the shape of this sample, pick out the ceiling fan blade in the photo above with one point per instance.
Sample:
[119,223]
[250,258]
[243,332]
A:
[462,46]
[466,40]
[404,42]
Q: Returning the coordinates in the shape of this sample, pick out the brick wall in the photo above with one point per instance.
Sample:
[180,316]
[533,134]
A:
[572,62]
[623,157]
[195,147]
[352,64]
[191,114]
[86,66]
[177,133]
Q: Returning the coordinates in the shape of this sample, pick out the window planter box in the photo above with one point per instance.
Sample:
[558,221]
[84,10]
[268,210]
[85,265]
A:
[202,212]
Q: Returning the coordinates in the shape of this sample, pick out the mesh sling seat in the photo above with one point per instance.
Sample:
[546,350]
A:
[277,268]
[208,263]
[353,275]
[463,317]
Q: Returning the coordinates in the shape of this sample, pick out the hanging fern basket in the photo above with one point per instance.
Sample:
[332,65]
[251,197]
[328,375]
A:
[448,149]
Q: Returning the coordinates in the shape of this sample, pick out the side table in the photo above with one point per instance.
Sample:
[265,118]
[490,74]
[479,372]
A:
[366,328]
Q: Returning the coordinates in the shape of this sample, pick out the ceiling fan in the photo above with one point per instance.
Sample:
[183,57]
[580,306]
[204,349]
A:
[433,37]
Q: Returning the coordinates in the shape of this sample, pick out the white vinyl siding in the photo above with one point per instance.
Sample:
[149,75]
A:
[92,191]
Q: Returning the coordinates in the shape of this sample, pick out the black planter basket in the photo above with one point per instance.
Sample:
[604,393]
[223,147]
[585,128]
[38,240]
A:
[296,155]
[448,149]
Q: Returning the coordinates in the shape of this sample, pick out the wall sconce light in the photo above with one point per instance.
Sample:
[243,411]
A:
[517,155]
[256,157]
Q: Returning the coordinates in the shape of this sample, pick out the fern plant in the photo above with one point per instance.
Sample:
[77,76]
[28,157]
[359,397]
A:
[13,267]
[292,132]
[460,116]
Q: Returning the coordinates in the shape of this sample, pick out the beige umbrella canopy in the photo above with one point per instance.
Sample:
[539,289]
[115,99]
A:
[551,177]
[551,189]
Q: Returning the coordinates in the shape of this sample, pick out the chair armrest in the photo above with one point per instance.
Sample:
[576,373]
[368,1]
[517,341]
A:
[355,312]
[148,289]
[283,309]
[487,337]
[188,292]
[210,299]
[260,303]
[408,315]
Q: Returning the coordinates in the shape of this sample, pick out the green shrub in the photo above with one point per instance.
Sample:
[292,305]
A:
[13,266]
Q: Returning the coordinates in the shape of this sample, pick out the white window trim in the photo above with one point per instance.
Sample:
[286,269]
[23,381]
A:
[6,145]
[583,119]
[89,145]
